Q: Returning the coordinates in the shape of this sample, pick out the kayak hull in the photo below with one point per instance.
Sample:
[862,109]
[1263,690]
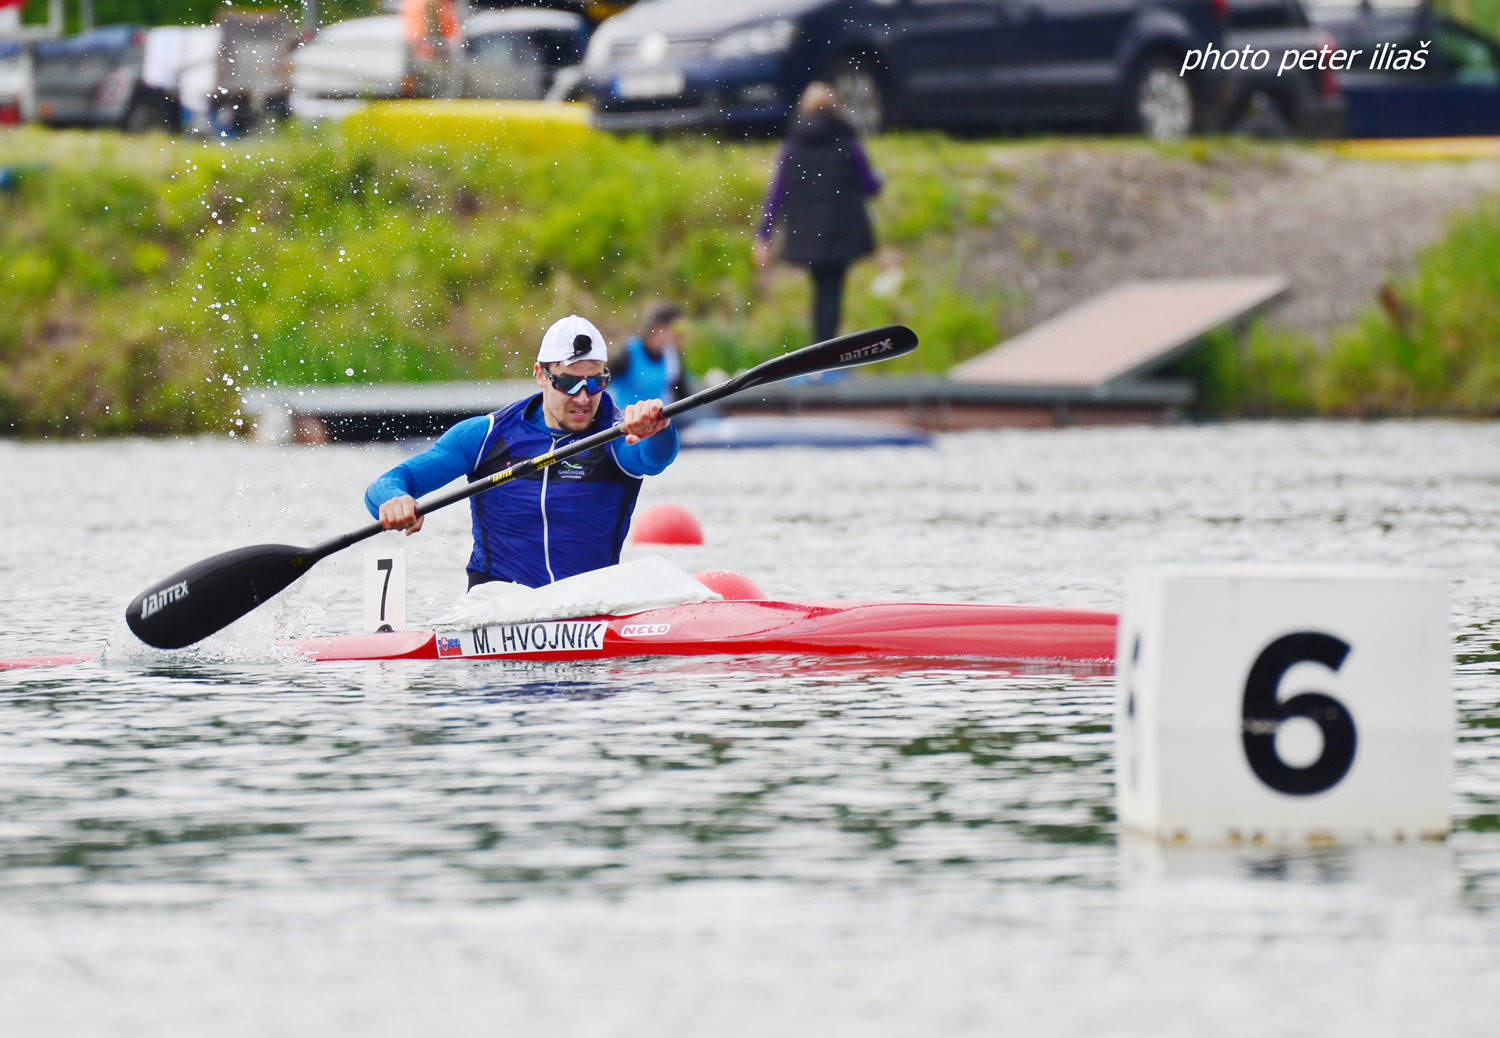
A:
[58,659]
[878,629]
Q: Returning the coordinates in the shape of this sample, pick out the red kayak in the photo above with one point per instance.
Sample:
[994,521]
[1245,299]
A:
[55,660]
[872,630]
[879,629]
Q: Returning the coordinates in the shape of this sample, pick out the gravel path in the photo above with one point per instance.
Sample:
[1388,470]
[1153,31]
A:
[1085,219]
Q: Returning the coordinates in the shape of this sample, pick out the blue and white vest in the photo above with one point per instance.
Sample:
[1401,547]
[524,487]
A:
[569,518]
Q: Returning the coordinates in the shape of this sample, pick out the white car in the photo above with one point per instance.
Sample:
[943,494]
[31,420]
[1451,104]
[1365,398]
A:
[220,78]
[513,53]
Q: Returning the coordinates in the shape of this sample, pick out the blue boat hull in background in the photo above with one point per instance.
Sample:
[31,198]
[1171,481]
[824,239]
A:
[782,431]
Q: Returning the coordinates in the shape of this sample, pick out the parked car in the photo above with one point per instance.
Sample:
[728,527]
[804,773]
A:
[94,79]
[1455,92]
[681,63]
[594,10]
[515,53]
[225,77]
[1269,102]
[253,80]
[348,61]
[511,54]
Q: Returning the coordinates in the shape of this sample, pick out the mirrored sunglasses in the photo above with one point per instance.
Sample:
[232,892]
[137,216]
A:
[573,384]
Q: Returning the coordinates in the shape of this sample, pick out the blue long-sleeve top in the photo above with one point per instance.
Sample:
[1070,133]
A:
[518,535]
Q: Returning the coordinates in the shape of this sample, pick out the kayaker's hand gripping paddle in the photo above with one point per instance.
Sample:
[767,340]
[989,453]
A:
[207,596]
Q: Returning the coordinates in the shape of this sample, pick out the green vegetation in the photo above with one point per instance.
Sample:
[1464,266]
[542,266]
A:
[1483,13]
[189,12]
[149,278]
[155,276]
[1428,347]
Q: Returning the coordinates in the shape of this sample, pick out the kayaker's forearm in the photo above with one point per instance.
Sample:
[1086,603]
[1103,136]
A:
[452,457]
[650,456]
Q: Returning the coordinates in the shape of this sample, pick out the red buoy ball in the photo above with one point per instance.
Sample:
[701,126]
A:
[666,524]
[733,586]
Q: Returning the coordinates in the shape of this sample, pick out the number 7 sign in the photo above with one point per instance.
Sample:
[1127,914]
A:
[385,587]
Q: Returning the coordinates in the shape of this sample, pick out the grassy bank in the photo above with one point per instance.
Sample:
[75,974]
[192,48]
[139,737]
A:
[147,279]
[1430,344]
[153,276]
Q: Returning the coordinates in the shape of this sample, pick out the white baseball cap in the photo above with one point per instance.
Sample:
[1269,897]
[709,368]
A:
[572,339]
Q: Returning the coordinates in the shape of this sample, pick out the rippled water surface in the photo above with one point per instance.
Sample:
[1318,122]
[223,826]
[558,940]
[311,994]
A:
[225,842]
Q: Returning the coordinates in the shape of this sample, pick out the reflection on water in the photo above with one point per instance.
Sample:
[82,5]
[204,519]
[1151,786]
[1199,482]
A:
[714,843]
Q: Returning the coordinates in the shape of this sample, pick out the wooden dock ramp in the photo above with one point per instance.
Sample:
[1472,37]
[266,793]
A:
[1127,333]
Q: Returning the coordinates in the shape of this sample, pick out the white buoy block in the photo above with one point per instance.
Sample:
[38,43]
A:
[385,585]
[1284,704]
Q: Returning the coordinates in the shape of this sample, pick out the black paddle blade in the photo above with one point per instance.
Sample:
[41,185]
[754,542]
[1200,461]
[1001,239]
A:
[207,596]
[845,351]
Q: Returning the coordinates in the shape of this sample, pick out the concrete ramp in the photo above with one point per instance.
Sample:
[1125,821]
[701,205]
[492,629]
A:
[1125,333]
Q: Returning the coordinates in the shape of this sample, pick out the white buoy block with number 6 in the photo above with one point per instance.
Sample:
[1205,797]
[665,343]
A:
[1284,703]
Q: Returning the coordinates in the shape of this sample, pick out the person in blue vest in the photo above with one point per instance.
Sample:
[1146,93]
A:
[649,365]
[568,518]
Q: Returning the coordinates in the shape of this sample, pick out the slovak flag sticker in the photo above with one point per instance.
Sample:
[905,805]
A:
[449,645]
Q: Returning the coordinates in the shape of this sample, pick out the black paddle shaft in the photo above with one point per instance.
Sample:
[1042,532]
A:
[209,595]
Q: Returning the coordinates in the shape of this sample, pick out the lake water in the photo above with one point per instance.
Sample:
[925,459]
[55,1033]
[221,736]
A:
[223,842]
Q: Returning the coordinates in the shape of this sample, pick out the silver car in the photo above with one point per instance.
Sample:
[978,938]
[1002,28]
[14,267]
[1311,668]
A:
[504,54]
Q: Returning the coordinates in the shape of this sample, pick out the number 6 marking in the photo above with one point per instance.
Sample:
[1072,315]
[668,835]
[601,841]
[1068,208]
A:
[1263,713]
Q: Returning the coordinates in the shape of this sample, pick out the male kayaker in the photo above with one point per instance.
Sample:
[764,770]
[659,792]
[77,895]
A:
[568,518]
[649,365]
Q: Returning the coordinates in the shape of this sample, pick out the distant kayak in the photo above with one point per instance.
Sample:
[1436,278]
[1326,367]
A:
[784,431]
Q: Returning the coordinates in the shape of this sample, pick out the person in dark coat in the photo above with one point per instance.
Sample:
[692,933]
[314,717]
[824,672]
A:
[817,201]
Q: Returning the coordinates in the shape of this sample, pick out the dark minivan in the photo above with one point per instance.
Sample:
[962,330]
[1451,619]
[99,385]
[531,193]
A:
[956,63]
